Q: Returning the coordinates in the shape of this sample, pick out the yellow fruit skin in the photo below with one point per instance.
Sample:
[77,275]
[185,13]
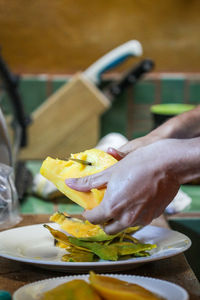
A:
[80,229]
[57,171]
[112,288]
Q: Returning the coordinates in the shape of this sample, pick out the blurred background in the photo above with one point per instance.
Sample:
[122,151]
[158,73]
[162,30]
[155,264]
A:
[66,36]
[47,43]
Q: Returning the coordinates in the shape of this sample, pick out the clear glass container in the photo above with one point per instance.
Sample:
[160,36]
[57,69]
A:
[9,148]
[9,205]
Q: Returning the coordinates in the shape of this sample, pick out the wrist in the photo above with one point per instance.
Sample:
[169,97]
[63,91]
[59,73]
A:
[183,126]
[170,129]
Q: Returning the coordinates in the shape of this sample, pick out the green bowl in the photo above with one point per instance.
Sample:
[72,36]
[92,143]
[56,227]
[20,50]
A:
[171,109]
[162,112]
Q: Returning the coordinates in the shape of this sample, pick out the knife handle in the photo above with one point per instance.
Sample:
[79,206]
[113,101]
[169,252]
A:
[131,77]
[112,59]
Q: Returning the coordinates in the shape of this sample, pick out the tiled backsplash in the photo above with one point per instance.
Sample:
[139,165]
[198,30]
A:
[129,113]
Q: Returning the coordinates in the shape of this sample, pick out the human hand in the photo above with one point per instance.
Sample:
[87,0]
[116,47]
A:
[139,187]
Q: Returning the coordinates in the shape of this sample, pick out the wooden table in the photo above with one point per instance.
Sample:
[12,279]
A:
[175,269]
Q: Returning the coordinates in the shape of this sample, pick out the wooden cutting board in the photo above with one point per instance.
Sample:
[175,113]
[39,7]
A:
[67,122]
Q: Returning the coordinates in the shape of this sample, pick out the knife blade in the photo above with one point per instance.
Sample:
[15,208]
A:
[81,161]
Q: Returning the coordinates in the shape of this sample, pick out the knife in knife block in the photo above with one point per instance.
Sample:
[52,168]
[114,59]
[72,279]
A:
[67,122]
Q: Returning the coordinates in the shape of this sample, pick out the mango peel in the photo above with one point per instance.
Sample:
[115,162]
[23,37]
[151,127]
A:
[115,249]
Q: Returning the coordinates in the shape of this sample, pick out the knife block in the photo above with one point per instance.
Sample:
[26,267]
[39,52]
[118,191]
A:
[67,122]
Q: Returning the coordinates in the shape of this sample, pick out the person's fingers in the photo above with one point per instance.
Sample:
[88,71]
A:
[126,219]
[85,184]
[97,215]
[127,148]
[105,211]
[115,153]
[118,224]
[113,227]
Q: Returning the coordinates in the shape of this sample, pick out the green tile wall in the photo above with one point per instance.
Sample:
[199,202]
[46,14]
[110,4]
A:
[34,205]
[172,90]
[57,83]
[130,113]
[194,192]
[144,92]
[194,92]
[33,92]
[114,120]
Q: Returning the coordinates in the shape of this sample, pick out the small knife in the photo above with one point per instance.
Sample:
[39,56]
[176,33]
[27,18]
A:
[80,161]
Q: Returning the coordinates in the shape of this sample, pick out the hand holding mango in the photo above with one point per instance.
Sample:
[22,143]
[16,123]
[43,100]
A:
[139,187]
[57,171]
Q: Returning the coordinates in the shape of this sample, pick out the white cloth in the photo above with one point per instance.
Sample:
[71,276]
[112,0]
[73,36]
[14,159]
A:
[113,139]
[180,202]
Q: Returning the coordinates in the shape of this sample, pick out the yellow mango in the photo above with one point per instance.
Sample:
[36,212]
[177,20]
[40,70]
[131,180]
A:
[113,288]
[76,289]
[57,171]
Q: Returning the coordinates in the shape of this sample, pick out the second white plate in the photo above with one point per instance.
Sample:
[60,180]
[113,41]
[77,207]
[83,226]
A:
[165,289]
[34,245]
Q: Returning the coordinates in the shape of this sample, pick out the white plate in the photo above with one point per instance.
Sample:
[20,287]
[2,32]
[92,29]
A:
[35,245]
[165,289]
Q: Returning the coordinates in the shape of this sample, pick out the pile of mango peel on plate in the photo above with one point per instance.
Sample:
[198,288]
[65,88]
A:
[96,244]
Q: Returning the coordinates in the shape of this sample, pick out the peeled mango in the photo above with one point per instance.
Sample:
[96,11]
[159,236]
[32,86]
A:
[113,288]
[57,171]
[99,287]
[76,289]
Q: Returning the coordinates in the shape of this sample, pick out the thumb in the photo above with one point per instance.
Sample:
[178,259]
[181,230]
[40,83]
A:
[85,184]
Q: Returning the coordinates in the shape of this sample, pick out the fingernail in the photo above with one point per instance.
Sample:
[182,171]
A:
[115,153]
[111,150]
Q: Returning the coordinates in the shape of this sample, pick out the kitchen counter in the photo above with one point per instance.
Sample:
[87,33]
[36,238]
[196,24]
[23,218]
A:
[35,211]
[176,269]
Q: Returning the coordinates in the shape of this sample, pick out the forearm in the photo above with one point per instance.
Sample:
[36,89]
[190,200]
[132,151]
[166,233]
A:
[186,125]
[182,157]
